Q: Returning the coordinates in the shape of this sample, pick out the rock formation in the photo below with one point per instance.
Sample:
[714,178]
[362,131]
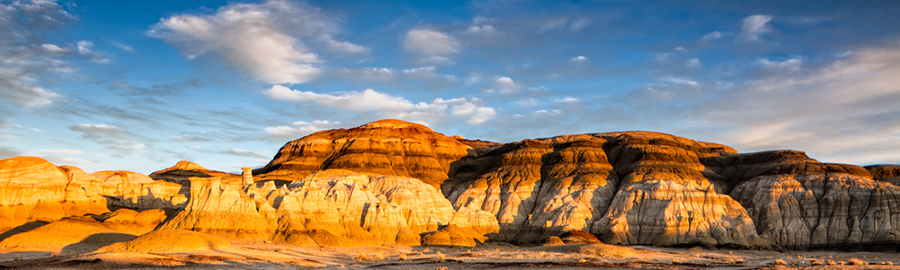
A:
[33,189]
[331,208]
[182,172]
[220,208]
[388,147]
[395,182]
[72,235]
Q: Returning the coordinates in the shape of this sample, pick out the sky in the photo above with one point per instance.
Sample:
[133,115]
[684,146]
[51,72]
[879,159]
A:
[141,85]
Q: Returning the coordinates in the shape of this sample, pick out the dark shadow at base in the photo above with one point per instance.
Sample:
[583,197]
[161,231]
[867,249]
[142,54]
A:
[22,228]
[95,242]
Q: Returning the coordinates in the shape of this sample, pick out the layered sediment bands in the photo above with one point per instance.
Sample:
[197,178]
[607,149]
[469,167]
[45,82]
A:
[537,188]
[667,197]
[182,172]
[822,210]
[886,173]
[388,147]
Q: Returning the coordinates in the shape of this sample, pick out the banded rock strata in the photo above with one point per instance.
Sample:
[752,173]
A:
[395,182]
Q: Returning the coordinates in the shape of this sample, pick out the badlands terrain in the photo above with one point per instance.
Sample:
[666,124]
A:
[397,195]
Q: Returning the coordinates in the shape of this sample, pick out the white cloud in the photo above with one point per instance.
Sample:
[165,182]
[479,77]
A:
[474,78]
[244,153]
[755,25]
[712,35]
[385,106]
[579,58]
[63,160]
[343,46]
[61,151]
[263,40]
[369,73]
[122,46]
[567,100]
[432,46]
[482,30]
[792,64]
[579,24]
[360,101]
[301,128]
[84,49]
[98,128]
[553,24]
[475,113]
[53,49]
[530,102]
[505,85]
[677,80]
[693,62]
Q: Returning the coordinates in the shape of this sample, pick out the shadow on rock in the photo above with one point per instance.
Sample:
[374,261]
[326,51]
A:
[96,241]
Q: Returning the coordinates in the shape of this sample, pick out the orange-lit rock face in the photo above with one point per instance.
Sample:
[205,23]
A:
[541,188]
[184,170]
[33,189]
[330,208]
[389,147]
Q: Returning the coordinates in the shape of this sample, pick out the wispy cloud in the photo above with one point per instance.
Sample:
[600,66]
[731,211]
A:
[433,47]
[25,56]
[244,153]
[300,128]
[389,106]
[755,25]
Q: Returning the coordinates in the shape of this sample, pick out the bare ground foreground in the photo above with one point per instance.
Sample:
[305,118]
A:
[490,256]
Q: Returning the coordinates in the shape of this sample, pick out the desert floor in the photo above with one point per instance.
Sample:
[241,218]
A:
[489,256]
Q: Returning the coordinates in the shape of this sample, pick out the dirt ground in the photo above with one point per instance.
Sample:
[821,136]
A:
[489,256]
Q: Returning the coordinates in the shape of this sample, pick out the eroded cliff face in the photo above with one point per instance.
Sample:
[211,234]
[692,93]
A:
[33,189]
[388,147]
[329,208]
[395,182]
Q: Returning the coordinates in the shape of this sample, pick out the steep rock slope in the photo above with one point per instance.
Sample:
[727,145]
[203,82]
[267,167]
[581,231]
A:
[630,187]
[799,203]
[330,208]
[220,208]
[389,147]
[536,188]
[668,197]
[33,189]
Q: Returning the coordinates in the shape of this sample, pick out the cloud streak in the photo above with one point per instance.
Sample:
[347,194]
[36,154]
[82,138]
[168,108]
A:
[24,55]
[385,105]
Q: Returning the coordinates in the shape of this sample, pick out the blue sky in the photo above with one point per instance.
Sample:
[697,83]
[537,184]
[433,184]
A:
[138,86]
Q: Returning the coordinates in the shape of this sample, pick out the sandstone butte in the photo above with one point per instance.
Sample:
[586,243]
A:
[394,182]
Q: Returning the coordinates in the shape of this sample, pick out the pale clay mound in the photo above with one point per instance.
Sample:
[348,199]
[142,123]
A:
[170,241]
[74,235]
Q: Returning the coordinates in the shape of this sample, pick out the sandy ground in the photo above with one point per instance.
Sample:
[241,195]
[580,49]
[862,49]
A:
[490,256]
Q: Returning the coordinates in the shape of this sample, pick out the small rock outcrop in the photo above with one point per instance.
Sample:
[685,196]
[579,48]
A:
[184,170]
